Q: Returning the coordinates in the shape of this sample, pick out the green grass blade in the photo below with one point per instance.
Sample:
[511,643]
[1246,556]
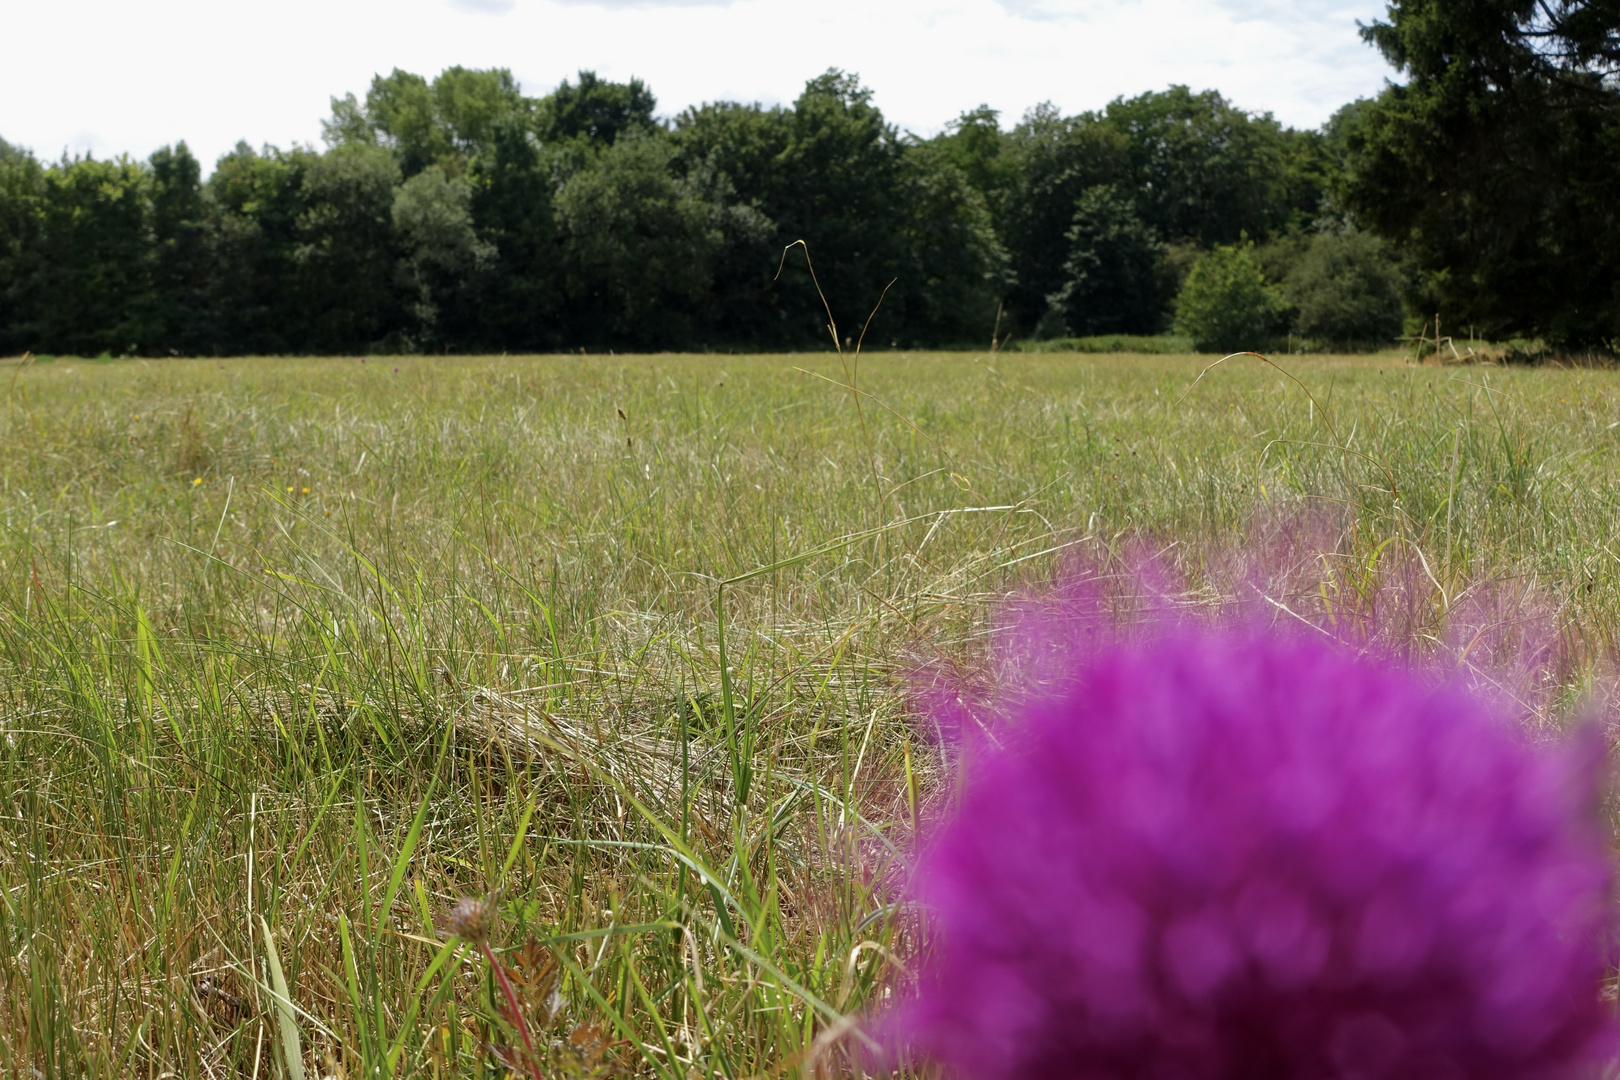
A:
[402,861]
[292,1050]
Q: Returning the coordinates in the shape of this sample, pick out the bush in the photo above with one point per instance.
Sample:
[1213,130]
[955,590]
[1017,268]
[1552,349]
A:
[1346,288]
[1225,304]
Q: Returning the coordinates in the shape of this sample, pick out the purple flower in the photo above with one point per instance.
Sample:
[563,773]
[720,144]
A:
[1232,855]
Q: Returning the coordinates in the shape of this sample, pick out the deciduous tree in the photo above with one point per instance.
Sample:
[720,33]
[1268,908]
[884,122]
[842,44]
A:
[1110,285]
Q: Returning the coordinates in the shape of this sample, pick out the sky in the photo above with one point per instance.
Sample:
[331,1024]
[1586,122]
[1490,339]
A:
[128,76]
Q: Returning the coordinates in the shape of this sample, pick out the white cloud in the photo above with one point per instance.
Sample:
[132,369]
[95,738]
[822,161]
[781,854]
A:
[142,75]
[622,4]
[1048,10]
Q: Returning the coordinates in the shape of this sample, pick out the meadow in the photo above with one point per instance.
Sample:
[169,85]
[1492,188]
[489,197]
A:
[295,654]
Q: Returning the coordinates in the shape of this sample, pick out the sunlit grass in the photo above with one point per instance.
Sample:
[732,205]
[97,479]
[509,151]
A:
[330,645]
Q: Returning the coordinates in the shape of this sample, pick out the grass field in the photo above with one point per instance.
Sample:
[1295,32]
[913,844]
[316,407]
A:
[296,653]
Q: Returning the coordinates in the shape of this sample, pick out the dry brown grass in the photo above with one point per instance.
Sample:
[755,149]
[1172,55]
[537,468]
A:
[423,635]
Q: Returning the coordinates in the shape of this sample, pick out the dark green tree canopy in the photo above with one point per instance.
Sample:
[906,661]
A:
[95,229]
[1197,170]
[1496,165]
[975,144]
[876,209]
[1059,159]
[458,213]
[596,110]
[1502,41]
[22,192]
[1204,170]
[1110,285]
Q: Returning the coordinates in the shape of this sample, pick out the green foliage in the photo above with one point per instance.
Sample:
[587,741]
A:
[1346,288]
[22,194]
[1198,170]
[458,214]
[875,210]
[1226,305]
[95,231]
[955,270]
[512,203]
[638,246]
[256,200]
[1060,158]
[445,122]
[1204,169]
[962,187]
[180,258]
[596,111]
[840,185]
[742,149]
[432,217]
[1493,165]
[398,113]
[985,155]
[344,252]
[471,104]
[1279,255]
[1110,283]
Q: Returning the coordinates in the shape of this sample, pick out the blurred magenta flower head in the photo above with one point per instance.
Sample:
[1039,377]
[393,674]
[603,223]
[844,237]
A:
[1206,854]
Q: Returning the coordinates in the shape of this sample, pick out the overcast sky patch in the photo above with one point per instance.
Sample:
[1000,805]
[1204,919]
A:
[228,73]
[484,7]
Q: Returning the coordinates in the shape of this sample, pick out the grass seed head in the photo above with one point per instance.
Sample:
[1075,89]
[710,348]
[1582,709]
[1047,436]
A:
[472,920]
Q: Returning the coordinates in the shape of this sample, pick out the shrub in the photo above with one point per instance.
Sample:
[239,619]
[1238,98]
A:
[1225,305]
[1346,288]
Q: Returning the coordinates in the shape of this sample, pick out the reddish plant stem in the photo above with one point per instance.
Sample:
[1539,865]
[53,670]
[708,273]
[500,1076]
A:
[516,1012]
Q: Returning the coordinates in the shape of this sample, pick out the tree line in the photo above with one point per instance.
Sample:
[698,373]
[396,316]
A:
[458,214]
